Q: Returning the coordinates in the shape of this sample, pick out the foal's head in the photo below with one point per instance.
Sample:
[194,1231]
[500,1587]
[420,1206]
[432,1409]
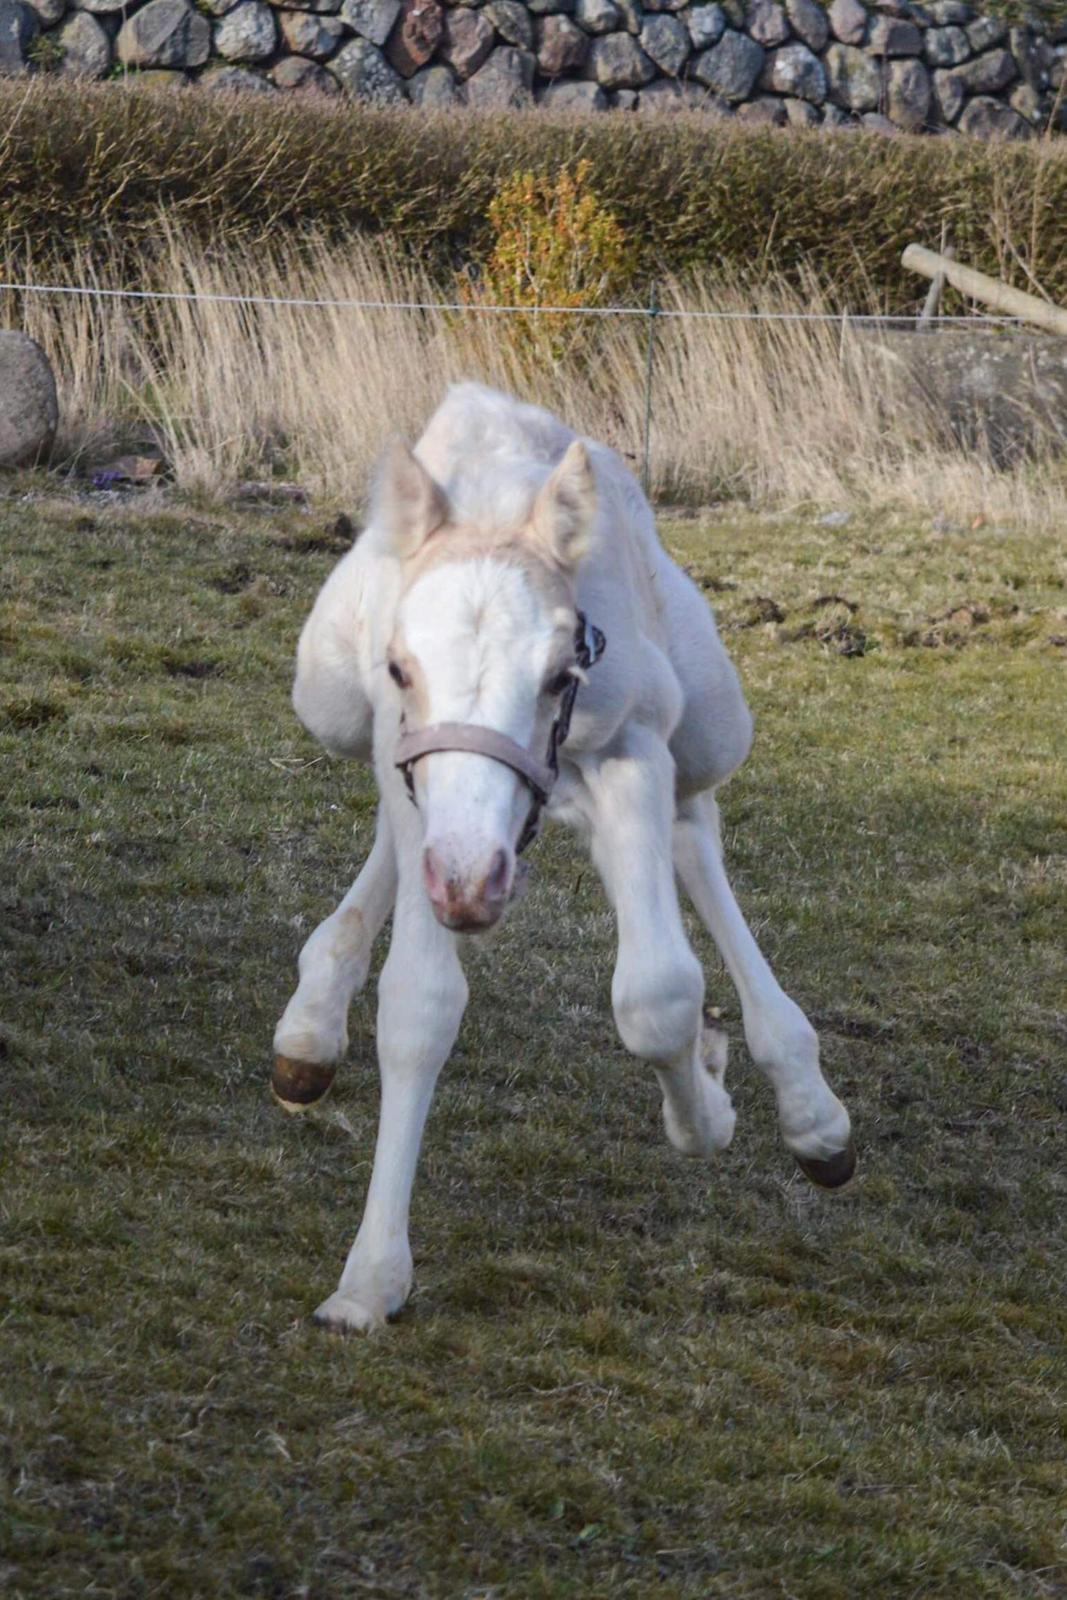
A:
[484,636]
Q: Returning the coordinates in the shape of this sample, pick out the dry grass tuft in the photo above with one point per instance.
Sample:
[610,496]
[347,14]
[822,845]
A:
[776,413]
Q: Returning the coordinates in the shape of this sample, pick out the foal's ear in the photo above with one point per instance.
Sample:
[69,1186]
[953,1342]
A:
[408,504]
[564,510]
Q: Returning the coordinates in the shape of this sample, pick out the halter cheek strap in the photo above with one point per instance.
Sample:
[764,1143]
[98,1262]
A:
[539,776]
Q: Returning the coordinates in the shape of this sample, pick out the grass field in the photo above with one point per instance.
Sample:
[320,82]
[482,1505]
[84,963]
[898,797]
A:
[621,1374]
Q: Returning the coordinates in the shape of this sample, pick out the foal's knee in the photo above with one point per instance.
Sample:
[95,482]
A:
[657,1010]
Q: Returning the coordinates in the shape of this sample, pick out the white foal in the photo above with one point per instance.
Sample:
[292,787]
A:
[452,640]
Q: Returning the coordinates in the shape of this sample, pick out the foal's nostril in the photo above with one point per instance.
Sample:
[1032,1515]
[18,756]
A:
[496,879]
[434,875]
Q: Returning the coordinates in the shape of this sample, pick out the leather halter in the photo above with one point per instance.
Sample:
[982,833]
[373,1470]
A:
[539,776]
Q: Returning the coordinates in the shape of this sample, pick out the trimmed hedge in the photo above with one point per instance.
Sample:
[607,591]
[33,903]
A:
[83,163]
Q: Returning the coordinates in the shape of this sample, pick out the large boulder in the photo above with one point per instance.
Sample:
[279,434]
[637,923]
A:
[85,45]
[298,75]
[165,33]
[766,22]
[29,410]
[666,41]
[573,96]
[561,47]
[848,21]
[19,27]
[990,73]
[247,33]
[435,88]
[360,67]
[307,33]
[731,67]
[371,19]
[809,23]
[1007,394]
[795,70]
[469,37]
[908,94]
[505,81]
[415,36]
[946,47]
[854,79]
[617,61]
[512,22]
[986,118]
[706,25]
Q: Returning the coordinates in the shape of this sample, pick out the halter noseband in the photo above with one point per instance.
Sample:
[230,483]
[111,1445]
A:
[539,776]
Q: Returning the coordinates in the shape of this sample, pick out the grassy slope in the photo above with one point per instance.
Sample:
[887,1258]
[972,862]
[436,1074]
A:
[621,1374]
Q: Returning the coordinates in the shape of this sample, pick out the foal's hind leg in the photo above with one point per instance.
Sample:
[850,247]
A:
[658,988]
[312,1036]
[782,1042]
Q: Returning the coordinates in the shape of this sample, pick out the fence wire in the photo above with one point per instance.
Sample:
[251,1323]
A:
[652,312]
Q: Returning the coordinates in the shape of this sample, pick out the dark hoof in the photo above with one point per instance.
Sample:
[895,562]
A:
[834,1172]
[299,1085]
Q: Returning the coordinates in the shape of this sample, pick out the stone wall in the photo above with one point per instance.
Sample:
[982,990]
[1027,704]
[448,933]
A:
[937,67]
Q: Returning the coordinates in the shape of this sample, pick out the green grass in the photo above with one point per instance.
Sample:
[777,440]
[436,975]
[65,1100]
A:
[621,1374]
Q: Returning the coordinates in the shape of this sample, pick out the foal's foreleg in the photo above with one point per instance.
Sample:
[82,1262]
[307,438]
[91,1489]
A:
[781,1040]
[658,988]
[421,997]
[312,1036]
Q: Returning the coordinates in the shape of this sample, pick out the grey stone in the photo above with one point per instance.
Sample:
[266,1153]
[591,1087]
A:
[834,117]
[247,33]
[325,7]
[85,45]
[854,80]
[1034,57]
[215,8]
[1007,397]
[505,80]
[102,8]
[892,36]
[948,97]
[1029,103]
[306,34]
[234,80]
[848,21]
[731,67]
[878,123]
[809,23]
[416,34]
[19,27]
[165,33]
[435,88]
[617,61]
[561,46]
[363,71]
[597,16]
[946,13]
[794,70]
[946,47]
[664,5]
[908,94]
[29,409]
[371,19]
[986,32]
[546,8]
[986,118]
[668,95]
[706,25]
[631,15]
[469,37]
[573,96]
[763,110]
[623,100]
[765,21]
[666,41]
[512,21]
[49,12]
[296,74]
[802,114]
[988,74]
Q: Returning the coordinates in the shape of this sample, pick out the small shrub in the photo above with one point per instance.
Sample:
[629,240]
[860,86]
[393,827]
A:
[554,244]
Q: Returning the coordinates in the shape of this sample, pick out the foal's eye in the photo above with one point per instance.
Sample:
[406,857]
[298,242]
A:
[556,685]
[399,676]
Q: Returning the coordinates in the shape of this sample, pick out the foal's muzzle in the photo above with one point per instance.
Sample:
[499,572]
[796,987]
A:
[474,901]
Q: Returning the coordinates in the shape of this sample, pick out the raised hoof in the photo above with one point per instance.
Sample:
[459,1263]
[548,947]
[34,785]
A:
[834,1172]
[299,1085]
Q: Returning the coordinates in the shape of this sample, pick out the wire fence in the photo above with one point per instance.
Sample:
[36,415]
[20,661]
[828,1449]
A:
[652,313]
